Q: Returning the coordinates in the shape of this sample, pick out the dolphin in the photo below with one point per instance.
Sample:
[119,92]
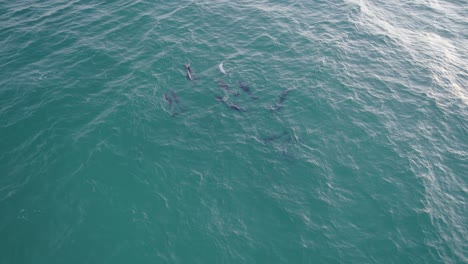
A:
[221,69]
[176,98]
[226,87]
[223,85]
[220,98]
[235,107]
[174,103]
[230,105]
[274,136]
[246,89]
[189,72]
[188,68]
[283,96]
[169,100]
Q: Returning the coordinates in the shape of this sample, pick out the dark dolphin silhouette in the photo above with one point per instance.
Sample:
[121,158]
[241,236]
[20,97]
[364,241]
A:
[274,136]
[282,98]
[176,98]
[228,104]
[226,87]
[246,89]
[169,100]
[189,72]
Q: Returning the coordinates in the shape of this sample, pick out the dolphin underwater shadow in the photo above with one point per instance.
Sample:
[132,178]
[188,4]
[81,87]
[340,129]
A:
[246,89]
[226,87]
[174,103]
[274,137]
[281,99]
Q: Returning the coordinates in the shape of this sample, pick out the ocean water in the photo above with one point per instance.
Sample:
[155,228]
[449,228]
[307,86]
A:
[350,147]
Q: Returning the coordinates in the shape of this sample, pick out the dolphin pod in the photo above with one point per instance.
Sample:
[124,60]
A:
[173,100]
[279,137]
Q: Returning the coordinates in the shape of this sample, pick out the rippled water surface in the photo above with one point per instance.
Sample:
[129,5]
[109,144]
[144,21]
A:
[346,141]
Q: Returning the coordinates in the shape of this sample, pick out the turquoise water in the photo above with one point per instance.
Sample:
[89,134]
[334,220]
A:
[354,152]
